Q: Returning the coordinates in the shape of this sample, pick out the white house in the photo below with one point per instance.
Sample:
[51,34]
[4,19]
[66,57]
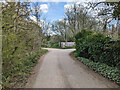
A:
[67,44]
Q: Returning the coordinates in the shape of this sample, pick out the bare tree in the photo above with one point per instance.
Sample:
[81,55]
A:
[108,12]
[78,18]
[37,12]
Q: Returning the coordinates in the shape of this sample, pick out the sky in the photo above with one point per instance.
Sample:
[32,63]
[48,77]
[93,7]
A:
[55,10]
[52,10]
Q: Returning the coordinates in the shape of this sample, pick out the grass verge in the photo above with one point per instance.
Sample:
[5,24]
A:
[20,72]
[112,73]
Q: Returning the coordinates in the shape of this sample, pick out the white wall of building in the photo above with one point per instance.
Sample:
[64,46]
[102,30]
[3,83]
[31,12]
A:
[67,44]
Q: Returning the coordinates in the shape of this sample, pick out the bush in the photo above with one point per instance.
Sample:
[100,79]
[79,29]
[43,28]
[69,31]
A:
[98,48]
[21,70]
[54,45]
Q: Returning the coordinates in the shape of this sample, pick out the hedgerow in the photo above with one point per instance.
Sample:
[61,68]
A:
[100,53]
[98,48]
[21,38]
[21,70]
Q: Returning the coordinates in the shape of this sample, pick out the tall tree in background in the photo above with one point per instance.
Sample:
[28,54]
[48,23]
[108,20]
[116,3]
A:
[116,13]
[36,11]
[78,18]
[111,10]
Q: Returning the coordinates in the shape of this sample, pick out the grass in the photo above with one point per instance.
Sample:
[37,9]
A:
[65,47]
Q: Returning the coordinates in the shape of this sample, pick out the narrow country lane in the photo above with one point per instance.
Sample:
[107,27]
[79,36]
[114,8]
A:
[59,70]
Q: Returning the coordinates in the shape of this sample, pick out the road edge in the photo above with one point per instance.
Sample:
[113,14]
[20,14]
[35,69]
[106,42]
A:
[99,76]
[34,72]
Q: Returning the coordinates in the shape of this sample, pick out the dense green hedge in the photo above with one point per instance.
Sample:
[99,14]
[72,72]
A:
[100,53]
[98,48]
[21,70]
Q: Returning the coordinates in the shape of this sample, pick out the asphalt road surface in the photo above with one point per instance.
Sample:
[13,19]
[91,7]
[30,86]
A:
[59,70]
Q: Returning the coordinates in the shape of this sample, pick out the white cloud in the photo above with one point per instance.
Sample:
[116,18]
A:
[67,6]
[44,8]
[62,19]
[50,32]
[82,3]
[33,18]
[41,22]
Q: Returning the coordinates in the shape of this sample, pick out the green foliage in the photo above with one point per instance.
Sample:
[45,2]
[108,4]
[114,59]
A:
[109,72]
[99,53]
[83,34]
[98,48]
[50,44]
[20,70]
[54,45]
[21,38]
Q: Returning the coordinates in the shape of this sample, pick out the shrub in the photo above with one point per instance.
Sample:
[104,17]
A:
[20,70]
[54,45]
[98,48]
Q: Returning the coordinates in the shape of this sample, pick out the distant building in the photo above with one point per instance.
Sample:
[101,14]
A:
[67,44]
